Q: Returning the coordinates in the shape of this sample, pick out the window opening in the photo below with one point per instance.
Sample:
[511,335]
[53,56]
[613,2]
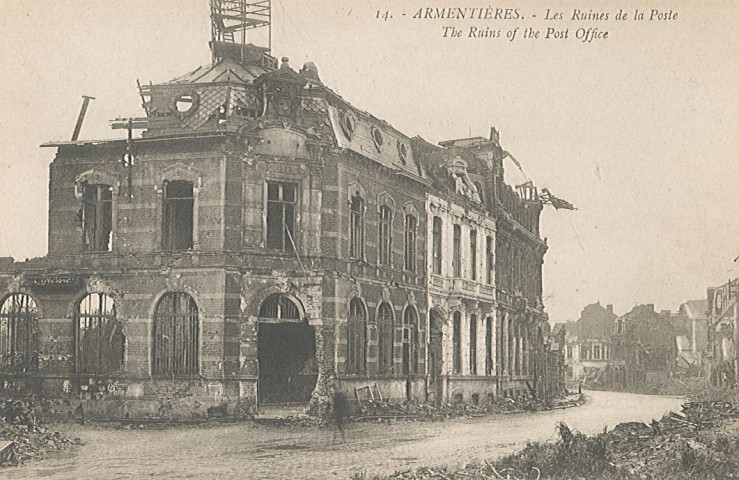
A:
[279,306]
[97,217]
[385,337]
[356,234]
[410,242]
[473,344]
[473,254]
[18,316]
[99,338]
[457,251]
[410,322]
[457,343]
[281,200]
[356,341]
[178,215]
[176,333]
[386,235]
[437,252]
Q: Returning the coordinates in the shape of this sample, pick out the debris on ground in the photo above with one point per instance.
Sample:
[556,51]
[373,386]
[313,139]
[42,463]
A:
[699,442]
[22,437]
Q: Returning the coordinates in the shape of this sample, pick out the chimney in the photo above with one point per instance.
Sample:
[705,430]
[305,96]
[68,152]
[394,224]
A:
[650,307]
[609,308]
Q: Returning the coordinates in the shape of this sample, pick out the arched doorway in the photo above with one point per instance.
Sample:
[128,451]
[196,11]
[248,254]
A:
[286,353]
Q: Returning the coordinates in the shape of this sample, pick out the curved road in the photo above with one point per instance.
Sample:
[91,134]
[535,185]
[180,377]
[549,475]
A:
[249,451]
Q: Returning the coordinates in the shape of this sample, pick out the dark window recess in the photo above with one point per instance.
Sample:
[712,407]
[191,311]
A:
[99,339]
[410,359]
[385,338]
[410,242]
[97,217]
[490,259]
[457,251]
[281,202]
[473,344]
[488,346]
[178,216]
[279,306]
[386,235]
[18,316]
[356,233]
[473,254]
[356,337]
[437,245]
[176,334]
[457,343]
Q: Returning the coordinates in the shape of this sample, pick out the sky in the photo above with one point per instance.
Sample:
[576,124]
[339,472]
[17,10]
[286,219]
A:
[638,130]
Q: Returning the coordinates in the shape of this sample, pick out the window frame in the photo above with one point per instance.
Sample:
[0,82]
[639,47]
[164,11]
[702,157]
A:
[189,366]
[385,234]
[356,348]
[18,333]
[437,244]
[97,315]
[457,342]
[411,236]
[356,227]
[385,321]
[457,251]
[170,217]
[100,209]
[287,229]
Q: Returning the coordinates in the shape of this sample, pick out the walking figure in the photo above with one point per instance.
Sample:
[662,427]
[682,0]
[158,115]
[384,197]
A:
[340,411]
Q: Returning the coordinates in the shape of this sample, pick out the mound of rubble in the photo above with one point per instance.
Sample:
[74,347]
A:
[21,436]
[700,442]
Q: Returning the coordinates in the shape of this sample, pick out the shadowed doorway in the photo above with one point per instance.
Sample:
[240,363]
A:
[286,353]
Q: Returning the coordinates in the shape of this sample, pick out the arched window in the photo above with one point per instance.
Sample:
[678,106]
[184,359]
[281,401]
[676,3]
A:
[356,341]
[18,316]
[356,228]
[436,246]
[385,337]
[410,328]
[457,343]
[98,336]
[176,336]
[279,306]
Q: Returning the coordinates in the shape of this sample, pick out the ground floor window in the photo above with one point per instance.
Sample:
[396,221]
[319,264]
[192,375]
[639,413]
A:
[18,315]
[98,336]
[176,336]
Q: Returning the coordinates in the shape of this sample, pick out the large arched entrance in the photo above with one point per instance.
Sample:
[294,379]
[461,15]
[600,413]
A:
[286,353]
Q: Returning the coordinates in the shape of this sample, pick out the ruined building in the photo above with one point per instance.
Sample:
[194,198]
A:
[723,333]
[262,238]
[588,349]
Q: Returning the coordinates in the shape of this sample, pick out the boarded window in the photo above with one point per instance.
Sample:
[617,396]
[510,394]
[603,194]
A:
[279,306]
[356,228]
[386,235]
[18,316]
[457,343]
[410,328]
[98,336]
[473,344]
[97,217]
[473,254]
[281,200]
[457,251]
[178,216]
[437,245]
[356,341]
[176,334]
[385,325]
[410,242]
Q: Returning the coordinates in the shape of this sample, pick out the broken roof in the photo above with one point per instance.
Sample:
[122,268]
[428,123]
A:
[226,70]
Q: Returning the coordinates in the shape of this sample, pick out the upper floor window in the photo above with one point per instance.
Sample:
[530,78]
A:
[436,247]
[281,199]
[177,213]
[457,251]
[176,333]
[97,217]
[18,315]
[356,228]
[99,339]
[596,352]
[386,235]
[410,242]
[490,259]
[473,254]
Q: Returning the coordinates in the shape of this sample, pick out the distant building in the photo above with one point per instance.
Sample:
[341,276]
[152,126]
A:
[723,333]
[644,349]
[588,345]
[691,336]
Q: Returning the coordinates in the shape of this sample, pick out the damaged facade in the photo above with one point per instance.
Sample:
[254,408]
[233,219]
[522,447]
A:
[264,239]
[723,333]
[588,345]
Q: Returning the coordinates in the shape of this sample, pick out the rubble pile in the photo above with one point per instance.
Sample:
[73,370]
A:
[371,410]
[19,425]
[700,442]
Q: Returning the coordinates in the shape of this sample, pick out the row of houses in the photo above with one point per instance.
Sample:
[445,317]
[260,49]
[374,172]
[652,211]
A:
[266,239]
[644,347]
